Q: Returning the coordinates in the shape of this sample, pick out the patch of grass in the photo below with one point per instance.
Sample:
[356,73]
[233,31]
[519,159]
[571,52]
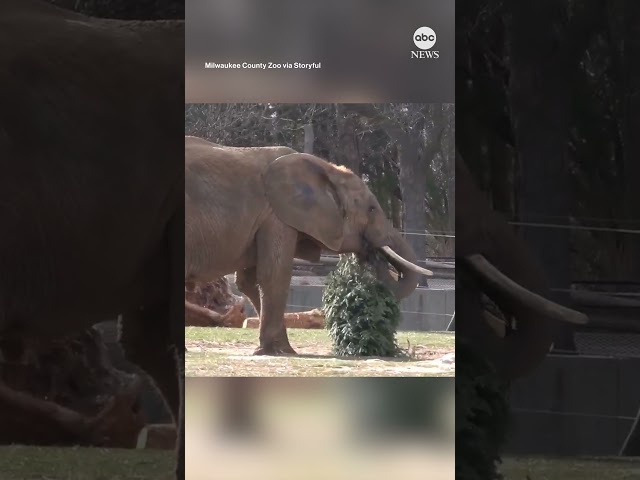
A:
[435,340]
[301,336]
[532,468]
[75,463]
[216,352]
[250,335]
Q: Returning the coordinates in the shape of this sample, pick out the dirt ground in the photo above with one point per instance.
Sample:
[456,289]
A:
[220,352]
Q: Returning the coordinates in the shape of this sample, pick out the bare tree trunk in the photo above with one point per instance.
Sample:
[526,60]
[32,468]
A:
[309,138]
[396,212]
[539,96]
[501,173]
[625,27]
[413,185]
[347,142]
[448,153]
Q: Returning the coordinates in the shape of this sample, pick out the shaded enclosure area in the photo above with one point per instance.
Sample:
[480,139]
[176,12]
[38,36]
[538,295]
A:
[548,115]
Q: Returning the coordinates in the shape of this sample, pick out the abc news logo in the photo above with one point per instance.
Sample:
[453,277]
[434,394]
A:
[424,38]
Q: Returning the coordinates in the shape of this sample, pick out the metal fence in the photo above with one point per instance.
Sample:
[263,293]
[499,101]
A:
[575,405]
[585,403]
[614,344]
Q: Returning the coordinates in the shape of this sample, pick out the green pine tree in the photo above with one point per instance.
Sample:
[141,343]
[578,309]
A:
[482,416]
[361,314]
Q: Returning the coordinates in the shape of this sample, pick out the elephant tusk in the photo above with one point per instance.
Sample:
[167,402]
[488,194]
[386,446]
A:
[389,251]
[532,300]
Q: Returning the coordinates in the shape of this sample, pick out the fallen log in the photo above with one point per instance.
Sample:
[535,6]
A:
[197,316]
[31,420]
[312,319]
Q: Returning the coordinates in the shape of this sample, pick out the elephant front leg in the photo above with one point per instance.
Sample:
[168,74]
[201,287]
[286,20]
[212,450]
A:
[276,247]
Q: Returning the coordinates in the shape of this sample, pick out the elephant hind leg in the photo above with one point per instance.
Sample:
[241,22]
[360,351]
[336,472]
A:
[276,248]
[147,342]
[247,283]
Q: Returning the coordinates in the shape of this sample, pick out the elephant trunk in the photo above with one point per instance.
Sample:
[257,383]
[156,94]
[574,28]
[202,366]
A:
[408,278]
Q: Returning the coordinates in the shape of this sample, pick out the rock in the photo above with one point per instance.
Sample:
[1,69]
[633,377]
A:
[310,319]
[449,358]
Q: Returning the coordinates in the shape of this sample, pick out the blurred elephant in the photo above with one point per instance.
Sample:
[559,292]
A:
[91,183]
[252,210]
[492,260]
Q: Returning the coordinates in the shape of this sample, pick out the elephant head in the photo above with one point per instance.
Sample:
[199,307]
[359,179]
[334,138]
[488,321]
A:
[493,261]
[335,210]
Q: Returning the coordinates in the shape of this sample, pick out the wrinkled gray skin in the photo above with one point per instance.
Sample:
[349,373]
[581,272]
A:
[91,182]
[481,230]
[248,213]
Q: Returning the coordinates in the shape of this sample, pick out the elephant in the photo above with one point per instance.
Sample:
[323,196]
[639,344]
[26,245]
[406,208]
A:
[91,183]
[253,210]
[493,261]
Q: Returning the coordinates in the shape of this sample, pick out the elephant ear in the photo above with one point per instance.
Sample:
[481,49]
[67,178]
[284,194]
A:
[302,194]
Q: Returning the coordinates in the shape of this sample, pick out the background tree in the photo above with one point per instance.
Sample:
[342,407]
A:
[127,10]
[547,116]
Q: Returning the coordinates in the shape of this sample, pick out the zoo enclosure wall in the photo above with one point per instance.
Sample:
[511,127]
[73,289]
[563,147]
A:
[426,309]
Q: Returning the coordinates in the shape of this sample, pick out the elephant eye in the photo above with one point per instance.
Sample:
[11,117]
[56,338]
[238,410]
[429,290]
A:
[372,209]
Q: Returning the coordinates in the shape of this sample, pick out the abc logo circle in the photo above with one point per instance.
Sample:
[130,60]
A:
[424,38]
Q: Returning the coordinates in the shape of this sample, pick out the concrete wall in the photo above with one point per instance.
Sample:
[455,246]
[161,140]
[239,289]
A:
[424,310]
[575,405]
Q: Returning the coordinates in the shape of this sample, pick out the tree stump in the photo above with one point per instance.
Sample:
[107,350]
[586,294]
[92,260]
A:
[213,304]
[66,391]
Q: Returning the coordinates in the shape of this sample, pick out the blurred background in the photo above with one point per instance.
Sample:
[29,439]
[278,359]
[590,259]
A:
[290,428]
[363,45]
